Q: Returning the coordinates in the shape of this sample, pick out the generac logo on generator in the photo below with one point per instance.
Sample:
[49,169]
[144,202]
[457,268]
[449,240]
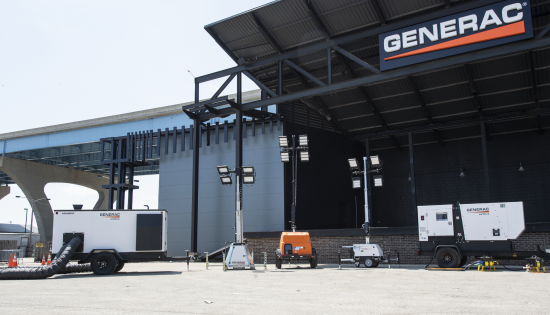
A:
[487,26]
[481,211]
[112,216]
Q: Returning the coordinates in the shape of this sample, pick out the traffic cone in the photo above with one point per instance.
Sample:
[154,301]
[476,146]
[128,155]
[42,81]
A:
[49,259]
[14,264]
[10,263]
[43,260]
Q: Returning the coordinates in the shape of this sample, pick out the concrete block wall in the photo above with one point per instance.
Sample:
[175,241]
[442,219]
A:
[404,245]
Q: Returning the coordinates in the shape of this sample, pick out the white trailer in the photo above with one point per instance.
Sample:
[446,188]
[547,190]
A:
[452,233]
[112,237]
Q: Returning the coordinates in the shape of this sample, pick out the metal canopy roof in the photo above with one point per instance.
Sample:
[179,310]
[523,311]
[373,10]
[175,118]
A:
[450,100]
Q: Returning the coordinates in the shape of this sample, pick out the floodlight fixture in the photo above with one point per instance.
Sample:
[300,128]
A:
[353,165]
[356,181]
[374,161]
[223,170]
[226,180]
[521,169]
[248,170]
[461,173]
[285,157]
[302,139]
[304,156]
[249,179]
[377,180]
[283,141]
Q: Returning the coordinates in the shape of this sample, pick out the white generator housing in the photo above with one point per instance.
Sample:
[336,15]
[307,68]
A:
[370,250]
[126,231]
[481,221]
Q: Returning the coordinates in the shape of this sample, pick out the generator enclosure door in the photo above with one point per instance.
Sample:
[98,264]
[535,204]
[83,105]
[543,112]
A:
[492,221]
[435,221]
[122,230]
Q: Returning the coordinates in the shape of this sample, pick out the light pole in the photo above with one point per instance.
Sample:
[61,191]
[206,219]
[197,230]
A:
[286,152]
[32,213]
[376,164]
[26,216]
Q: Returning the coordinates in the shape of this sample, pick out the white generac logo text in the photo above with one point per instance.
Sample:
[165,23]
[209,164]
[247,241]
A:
[452,28]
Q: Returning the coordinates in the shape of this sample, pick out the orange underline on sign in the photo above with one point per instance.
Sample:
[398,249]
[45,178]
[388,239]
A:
[500,32]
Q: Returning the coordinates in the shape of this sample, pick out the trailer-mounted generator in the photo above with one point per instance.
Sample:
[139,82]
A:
[114,237]
[452,233]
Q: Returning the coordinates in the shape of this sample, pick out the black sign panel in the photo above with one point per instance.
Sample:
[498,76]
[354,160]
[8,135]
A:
[492,25]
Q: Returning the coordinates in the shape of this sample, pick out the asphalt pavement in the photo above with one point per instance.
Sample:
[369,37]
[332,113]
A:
[168,288]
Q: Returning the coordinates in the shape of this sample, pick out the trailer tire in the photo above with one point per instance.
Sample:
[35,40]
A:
[103,264]
[278,262]
[376,263]
[448,258]
[369,263]
[119,266]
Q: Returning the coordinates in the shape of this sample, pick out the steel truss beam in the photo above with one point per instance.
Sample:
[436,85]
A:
[313,14]
[427,114]
[378,12]
[321,103]
[399,73]
[265,34]
[346,39]
[370,104]
[458,123]
[356,59]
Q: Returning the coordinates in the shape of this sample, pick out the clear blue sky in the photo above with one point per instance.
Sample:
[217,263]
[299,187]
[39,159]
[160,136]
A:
[67,60]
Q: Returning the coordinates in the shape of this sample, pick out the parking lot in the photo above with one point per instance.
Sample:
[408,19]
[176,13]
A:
[163,288]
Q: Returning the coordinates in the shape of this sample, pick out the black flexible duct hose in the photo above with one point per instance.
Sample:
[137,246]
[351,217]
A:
[58,265]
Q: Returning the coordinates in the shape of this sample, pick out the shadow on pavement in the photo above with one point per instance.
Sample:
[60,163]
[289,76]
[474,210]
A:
[120,274]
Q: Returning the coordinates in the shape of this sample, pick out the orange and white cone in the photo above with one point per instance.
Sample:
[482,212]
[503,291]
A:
[43,260]
[49,259]
[14,264]
[10,263]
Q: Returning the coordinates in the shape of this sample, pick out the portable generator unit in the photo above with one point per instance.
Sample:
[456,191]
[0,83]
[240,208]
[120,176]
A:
[368,255]
[112,238]
[295,246]
[452,233]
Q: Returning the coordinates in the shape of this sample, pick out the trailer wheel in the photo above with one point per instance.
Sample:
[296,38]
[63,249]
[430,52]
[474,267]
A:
[447,258]
[278,262]
[369,263]
[103,264]
[376,263]
[119,266]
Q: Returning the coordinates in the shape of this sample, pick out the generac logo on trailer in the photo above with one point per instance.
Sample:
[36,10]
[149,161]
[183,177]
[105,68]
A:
[112,216]
[491,25]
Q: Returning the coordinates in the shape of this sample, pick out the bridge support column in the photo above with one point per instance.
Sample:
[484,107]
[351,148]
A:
[4,191]
[32,177]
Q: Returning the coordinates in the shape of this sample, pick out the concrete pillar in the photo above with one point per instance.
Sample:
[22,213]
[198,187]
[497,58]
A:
[4,191]
[32,177]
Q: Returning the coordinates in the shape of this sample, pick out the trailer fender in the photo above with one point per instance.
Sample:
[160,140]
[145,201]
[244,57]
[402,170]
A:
[88,257]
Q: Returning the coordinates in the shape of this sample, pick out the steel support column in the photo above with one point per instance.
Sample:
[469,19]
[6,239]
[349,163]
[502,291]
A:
[485,163]
[413,184]
[368,187]
[195,179]
[238,164]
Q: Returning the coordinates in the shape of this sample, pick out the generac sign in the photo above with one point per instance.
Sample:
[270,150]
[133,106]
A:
[492,25]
